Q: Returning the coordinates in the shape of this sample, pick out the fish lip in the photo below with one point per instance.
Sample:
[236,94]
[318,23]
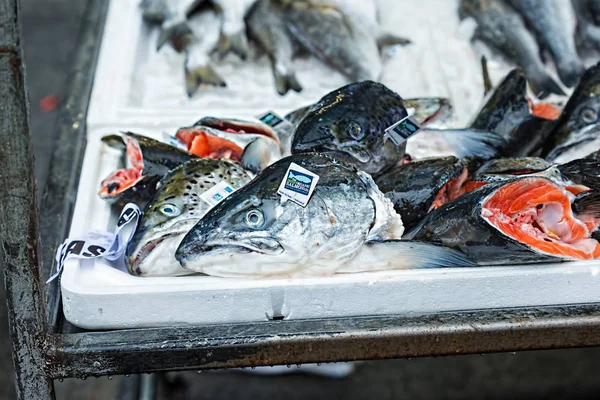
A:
[143,252]
[216,247]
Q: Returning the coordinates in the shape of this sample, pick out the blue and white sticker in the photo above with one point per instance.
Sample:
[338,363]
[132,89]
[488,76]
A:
[99,244]
[298,185]
[402,130]
[217,193]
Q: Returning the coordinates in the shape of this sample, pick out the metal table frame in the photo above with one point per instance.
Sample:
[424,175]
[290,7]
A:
[45,347]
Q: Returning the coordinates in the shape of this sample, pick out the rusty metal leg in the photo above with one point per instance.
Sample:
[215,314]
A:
[19,233]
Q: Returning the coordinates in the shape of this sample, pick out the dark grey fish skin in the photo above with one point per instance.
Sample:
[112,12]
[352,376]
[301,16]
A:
[413,187]
[267,27]
[507,113]
[501,28]
[461,226]
[587,31]
[353,119]
[158,158]
[577,131]
[294,117]
[513,166]
[329,35]
[581,174]
[550,22]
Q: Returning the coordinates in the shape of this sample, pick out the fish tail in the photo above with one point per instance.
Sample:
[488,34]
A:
[472,143]
[587,203]
[177,35]
[543,85]
[570,71]
[408,254]
[204,75]
[285,82]
[236,44]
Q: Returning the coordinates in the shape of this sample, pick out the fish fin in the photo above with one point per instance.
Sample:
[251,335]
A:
[204,75]
[471,142]
[177,35]
[587,203]
[286,82]
[487,82]
[114,141]
[408,254]
[594,156]
[570,71]
[236,44]
[258,155]
[389,39]
[542,85]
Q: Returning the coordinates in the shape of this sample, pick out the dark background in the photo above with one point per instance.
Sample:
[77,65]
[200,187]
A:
[49,29]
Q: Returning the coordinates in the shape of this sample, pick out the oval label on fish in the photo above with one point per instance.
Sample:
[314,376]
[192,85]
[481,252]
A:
[298,185]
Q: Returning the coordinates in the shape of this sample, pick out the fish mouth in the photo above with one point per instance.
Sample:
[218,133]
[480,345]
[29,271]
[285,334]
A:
[538,213]
[544,110]
[140,255]
[455,188]
[239,127]
[124,178]
[264,246]
[205,144]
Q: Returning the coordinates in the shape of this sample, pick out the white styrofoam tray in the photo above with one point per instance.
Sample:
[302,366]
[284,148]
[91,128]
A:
[139,90]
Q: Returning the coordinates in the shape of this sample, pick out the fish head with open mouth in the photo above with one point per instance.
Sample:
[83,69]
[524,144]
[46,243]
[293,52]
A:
[147,161]
[577,131]
[173,211]
[256,233]
[212,137]
[521,220]
[353,120]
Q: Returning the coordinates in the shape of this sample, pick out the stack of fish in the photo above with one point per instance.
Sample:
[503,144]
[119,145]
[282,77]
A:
[343,34]
[521,184]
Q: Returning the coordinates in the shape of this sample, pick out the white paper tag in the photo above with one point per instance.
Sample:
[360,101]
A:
[99,244]
[272,119]
[173,141]
[402,130]
[298,184]
[217,193]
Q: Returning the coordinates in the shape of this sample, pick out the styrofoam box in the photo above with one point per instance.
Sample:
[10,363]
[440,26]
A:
[140,90]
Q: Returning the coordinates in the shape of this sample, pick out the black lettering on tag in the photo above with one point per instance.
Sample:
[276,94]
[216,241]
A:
[94,251]
[126,217]
[75,247]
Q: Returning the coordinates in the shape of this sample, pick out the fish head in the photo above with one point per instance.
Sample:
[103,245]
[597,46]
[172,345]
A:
[173,211]
[228,138]
[430,111]
[257,232]
[353,120]
[538,212]
[146,161]
[578,123]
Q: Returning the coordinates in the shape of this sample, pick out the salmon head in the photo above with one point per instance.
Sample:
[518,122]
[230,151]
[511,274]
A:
[523,220]
[146,162]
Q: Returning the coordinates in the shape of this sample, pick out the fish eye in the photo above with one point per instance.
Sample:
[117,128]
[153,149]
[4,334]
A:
[255,218]
[354,130]
[589,115]
[169,210]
